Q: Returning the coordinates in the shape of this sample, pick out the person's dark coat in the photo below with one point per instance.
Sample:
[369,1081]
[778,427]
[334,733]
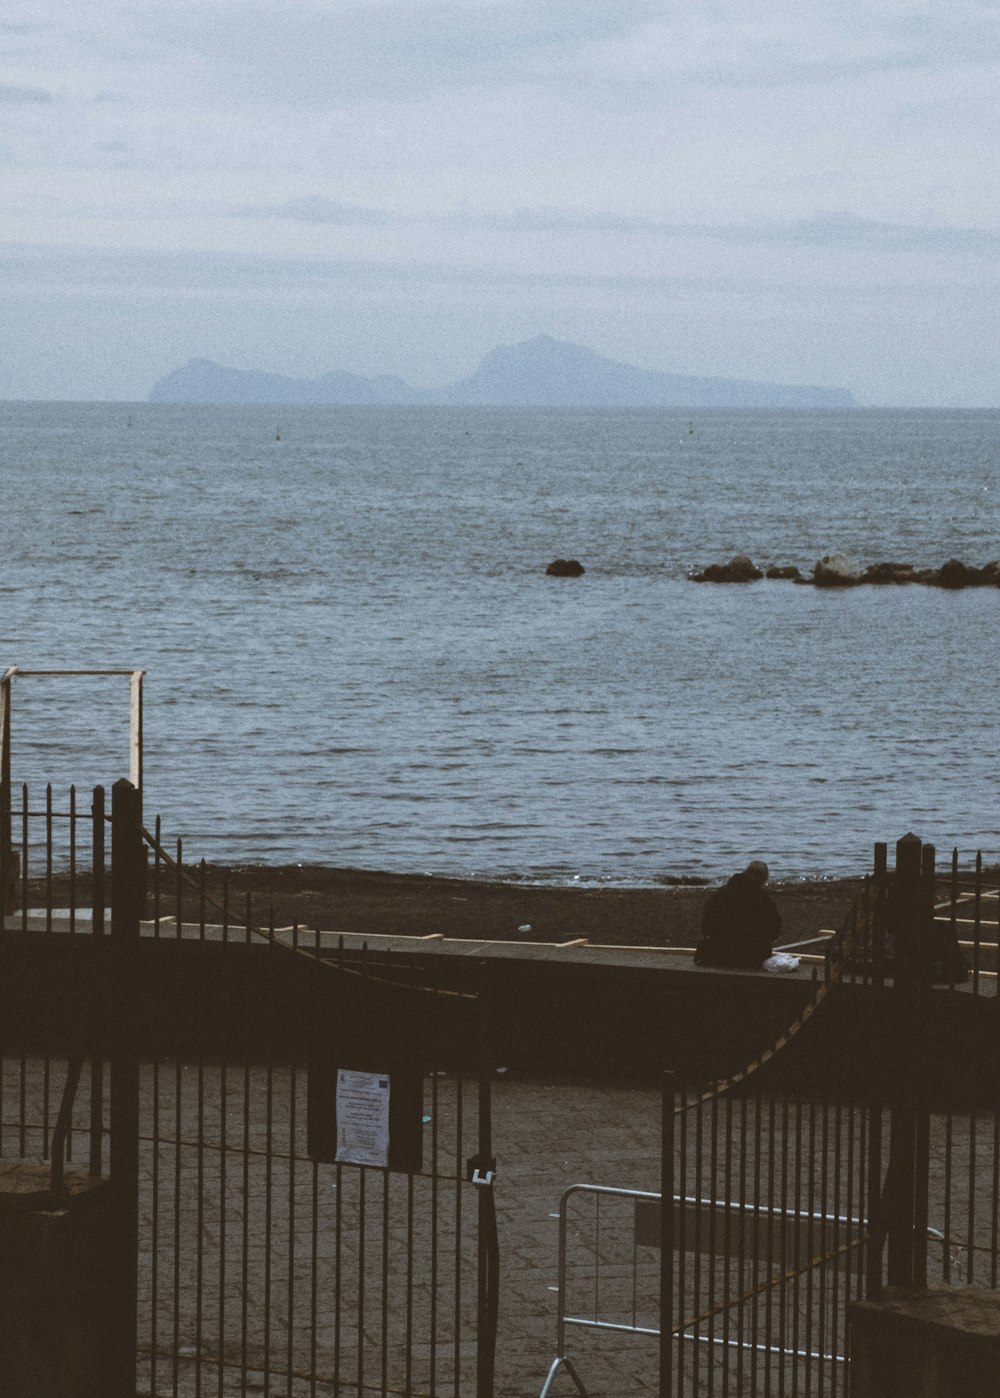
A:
[739,924]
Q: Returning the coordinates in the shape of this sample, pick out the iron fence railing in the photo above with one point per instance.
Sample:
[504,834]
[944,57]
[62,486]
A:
[156,1029]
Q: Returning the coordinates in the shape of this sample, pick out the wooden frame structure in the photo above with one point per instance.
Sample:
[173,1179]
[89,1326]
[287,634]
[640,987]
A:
[135,678]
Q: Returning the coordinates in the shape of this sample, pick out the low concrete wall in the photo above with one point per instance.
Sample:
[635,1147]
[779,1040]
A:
[584,1012]
[939,1343]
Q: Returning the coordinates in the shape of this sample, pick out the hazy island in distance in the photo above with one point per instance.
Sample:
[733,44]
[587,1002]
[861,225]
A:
[538,373]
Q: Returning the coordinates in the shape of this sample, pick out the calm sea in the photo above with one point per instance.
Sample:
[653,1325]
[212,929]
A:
[354,655]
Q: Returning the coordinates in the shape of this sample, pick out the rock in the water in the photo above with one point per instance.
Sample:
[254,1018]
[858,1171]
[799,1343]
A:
[835,570]
[744,569]
[740,569]
[955,574]
[889,573]
[565,568]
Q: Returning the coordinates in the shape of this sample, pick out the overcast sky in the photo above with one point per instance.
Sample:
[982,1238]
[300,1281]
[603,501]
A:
[794,191]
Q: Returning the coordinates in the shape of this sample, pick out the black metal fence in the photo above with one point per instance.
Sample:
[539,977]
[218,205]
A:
[187,1060]
[264,1257]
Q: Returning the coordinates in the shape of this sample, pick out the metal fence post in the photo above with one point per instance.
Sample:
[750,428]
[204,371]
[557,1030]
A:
[921,1000]
[484,1176]
[127,881]
[8,868]
[901,1177]
[98,897]
[668,1107]
[880,891]
[874,1210]
[97,904]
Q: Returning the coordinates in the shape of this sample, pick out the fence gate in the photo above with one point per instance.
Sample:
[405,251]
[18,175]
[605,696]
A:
[304,1150]
[783,1200]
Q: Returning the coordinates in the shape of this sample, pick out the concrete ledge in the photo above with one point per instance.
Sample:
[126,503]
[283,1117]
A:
[939,1343]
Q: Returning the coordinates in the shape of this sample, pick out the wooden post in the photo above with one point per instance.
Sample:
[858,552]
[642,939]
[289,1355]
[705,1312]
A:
[127,870]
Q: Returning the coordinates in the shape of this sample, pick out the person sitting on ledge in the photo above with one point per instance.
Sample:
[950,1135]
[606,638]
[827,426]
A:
[740,922]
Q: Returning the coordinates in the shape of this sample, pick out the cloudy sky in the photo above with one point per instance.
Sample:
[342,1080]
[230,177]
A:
[793,191]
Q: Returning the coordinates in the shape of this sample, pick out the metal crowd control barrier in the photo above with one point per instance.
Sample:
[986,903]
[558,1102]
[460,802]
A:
[594,1320]
[617,1262]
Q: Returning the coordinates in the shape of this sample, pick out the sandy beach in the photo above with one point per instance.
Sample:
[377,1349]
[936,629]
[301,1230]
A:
[368,902]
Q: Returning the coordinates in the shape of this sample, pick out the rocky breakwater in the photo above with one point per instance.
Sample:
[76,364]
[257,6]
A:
[836,570]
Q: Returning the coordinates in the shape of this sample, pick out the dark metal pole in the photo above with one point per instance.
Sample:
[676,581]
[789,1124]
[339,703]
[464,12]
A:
[871,1183]
[920,1068]
[901,1182]
[8,872]
[880,893]
[127,872]
[667,1236]
[488,1243]
[97,930]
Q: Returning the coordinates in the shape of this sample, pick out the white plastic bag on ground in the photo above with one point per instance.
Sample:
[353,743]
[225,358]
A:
[781,961]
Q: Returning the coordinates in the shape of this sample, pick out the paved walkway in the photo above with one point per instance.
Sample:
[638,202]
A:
[553,1136]
[252,1253]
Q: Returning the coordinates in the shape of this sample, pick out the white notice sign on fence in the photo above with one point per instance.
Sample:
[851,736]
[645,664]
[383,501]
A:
[362,1118]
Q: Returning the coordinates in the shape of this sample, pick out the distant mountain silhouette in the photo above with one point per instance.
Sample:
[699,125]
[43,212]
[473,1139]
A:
[204,381]
[542,373]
